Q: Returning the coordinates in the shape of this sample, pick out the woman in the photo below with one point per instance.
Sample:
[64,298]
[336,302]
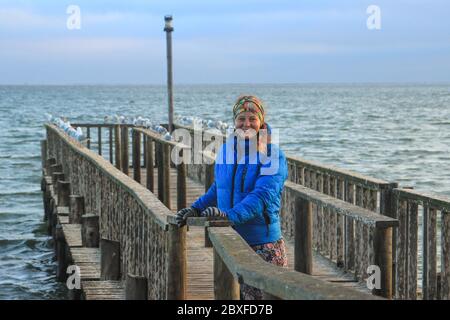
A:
[243,192]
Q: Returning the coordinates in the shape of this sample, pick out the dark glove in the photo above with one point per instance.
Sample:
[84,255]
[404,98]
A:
[213,212]
[185,213]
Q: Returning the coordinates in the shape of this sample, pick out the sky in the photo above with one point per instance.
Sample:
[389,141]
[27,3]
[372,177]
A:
[224,41]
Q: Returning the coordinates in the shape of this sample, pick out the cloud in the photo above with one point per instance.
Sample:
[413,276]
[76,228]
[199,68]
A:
[16,18]
[90,47]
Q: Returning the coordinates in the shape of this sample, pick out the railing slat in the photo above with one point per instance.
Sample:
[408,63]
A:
[412,250]
[429,278]
[401,256]
[99,137]
[110,144]
[445,255]
[150,165]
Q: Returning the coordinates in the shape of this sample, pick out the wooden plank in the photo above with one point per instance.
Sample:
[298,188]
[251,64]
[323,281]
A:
[445,255]
[412,250]
[401,252]
[429,278]
[72,234]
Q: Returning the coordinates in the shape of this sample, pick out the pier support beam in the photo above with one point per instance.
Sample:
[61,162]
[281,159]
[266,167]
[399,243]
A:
[136,288]
[76,210]
[90,232]
[225,286]
[383,259]
[60,254]
[177,263]
[109,260]
[63,193]
[303,258]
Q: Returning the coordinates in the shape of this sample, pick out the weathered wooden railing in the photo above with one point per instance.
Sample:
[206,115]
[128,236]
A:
[129,215]
[117,141]
[157,153]
[132,220]
[372,194]
[362,191]
[372,240]
[435,214]
[235,263]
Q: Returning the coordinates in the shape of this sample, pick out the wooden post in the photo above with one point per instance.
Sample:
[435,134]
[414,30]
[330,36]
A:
[136,288]
[383,259]
[110,145]
[159,163]
[144,150]
[56,176]
[90,230]
[60,254]
[88,137]
[444,281]
[49,162]
[63,193]
[76,210]
[117,146]
[429,260]
[181,184]
[137,156]
[149,164]
[386,199]
[303,258]
[43,153]
[209,176]
[50,215]
[226,287]
[125,152]
[99,137]
[166,174]
[109,260]
[177,263]
[55,168]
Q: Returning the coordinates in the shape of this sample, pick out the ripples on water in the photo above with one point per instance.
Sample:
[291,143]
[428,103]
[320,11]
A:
[396,133]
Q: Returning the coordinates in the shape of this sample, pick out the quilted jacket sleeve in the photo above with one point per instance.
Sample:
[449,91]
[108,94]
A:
[267,189]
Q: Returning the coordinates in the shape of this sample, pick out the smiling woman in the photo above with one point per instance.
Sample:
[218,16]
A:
[242,192]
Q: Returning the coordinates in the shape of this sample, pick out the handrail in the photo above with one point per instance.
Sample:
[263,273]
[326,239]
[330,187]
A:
[235,262]
[344,208]
[372,243]
[348,185]
[139,192]
[130,216]
[435,225]
[439,202]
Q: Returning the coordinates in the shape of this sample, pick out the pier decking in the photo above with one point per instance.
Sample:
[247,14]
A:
[116,223]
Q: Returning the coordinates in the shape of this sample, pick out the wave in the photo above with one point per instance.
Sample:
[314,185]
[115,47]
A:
[21,193]
[441,123]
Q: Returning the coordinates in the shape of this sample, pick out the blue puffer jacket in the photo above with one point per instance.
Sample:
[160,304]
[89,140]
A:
[251,200]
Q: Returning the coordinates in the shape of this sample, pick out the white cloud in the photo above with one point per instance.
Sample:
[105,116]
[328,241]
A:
[16,18]
[81,47]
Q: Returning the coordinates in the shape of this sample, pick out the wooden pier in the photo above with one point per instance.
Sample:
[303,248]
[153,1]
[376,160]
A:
[111,214]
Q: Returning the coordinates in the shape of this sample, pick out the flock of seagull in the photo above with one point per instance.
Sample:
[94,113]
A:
[139,121]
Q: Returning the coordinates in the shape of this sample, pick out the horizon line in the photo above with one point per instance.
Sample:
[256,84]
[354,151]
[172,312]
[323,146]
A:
[235,83]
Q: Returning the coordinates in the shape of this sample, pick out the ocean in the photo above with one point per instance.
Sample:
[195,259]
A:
[395,132]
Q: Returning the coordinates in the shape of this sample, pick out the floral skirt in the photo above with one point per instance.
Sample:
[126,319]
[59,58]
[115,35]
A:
[275,253]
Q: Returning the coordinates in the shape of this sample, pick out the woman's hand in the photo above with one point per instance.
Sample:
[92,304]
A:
[185,213]
[213,212]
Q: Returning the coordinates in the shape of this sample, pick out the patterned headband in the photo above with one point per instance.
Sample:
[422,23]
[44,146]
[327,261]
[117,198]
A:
[251,104]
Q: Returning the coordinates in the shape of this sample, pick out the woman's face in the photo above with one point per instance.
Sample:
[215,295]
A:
[248,122]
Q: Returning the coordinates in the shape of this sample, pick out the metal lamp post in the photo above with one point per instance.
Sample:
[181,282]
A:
[168,29]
